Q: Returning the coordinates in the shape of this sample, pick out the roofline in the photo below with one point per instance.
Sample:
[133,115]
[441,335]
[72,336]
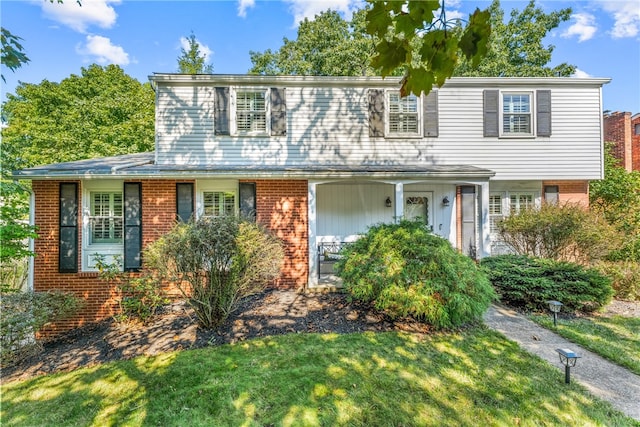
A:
[235,79]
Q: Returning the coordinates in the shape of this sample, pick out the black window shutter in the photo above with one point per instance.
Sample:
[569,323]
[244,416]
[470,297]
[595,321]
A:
[543,112]
[376,112]
[278,112]
[430,114]
[221,111]
[491,114]
[184,201]
[68,244]
[132,226]
[247,193]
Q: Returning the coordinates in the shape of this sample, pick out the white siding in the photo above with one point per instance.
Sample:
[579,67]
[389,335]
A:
[329,125]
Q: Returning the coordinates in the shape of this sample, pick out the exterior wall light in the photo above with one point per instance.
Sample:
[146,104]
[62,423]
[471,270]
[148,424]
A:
[387,202]
[445,201]
[568,358]
[554,306]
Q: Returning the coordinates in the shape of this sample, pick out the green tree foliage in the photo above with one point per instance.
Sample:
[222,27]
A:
[13,55]
[516,47]
[406,270]
[101,112]
[325,46]
[215,262]
[529,282]
[617,196]
[192,61]
[416,35]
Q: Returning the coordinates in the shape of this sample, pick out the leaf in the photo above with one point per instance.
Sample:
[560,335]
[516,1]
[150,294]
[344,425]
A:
[474,40]
[391,55]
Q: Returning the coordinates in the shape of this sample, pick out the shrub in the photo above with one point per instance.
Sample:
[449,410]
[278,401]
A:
[625,276]
[405,270]
[566,232]
[528,283]
[23,314]
[215,262]
[140,297]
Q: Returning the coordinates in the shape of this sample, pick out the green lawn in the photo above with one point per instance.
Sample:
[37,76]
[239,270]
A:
[473,378]
[615,338]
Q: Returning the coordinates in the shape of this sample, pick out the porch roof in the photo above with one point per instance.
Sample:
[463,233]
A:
[142,166]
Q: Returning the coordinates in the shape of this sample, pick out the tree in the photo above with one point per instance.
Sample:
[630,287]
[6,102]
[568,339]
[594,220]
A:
[192,61]
[13,56]
[325,46]
[516,48]
[101,112]
[414,35]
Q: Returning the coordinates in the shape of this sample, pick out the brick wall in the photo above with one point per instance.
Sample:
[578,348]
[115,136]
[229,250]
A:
[635,142]
[571,191]
[281,206]
[618,130]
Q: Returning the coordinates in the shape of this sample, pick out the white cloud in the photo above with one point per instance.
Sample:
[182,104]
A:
[584,27]
[103,51]
[205,51]
[301,9]
[581,74]
[79,18]
[626,14]
[243,5]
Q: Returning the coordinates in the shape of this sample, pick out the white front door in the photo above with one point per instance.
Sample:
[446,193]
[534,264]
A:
[418,204]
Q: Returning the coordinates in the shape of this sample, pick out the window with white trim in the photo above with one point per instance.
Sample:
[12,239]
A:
[495,212]
[106,217]
[517,116]
[252,111]
[520,201]
[403,115]
[218,203]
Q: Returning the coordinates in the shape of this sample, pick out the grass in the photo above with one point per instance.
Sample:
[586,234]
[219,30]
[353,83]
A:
[615,338]
[471,378]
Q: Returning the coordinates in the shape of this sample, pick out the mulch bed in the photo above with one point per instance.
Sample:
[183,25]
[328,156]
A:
[273,312]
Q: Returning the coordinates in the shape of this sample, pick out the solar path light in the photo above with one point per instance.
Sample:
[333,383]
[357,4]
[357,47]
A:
[554,306]
[568,358]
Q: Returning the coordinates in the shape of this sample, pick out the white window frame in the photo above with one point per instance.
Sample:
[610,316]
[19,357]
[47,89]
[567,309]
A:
[215,186]
[535,201]
[494,217]
[387,118]
[531,114]
[234,111]
[109,251]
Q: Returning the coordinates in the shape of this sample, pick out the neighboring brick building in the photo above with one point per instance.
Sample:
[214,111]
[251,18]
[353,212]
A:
[623,129]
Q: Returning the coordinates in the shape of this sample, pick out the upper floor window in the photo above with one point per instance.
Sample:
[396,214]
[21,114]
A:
[106,217]
[218,203]
[636,129]
[516,114]
[403,117]
[251,111]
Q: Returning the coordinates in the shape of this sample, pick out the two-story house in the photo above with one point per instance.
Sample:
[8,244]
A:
[317,160]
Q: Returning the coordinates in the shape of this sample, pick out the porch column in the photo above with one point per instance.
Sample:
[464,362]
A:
[399,204]
[313,245]
[484,249]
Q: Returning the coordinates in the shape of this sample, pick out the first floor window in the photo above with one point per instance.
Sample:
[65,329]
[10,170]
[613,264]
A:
[106,217]
[219,203]
[520,201]
[251,111]
[404,116]
[495,212]
[516,113]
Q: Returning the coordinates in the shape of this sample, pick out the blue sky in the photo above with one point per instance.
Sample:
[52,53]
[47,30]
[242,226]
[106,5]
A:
[602,38]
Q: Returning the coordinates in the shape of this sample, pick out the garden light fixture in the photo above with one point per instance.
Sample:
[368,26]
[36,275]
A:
[554,306]
[387,202]
[568,358]
[445,201]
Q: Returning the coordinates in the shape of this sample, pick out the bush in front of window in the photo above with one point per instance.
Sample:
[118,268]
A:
[405,270]
[528,283]
[565,232]
[23,314]
[215,262]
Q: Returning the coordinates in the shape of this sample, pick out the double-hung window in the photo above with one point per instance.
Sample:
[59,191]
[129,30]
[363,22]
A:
[218,203]
[106,217]
[251,111]
[520,201]
[517,116]
[403,114]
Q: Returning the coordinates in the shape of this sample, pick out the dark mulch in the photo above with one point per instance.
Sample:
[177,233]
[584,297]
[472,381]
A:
[273,312]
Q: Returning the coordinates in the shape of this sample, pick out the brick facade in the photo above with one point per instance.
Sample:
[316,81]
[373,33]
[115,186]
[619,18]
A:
[281,207]
[571,191]
[623,130]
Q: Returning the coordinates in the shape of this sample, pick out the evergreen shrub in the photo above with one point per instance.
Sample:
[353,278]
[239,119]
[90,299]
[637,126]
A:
[405,270]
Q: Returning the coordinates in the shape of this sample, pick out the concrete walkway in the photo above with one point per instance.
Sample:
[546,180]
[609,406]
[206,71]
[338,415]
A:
[602,378]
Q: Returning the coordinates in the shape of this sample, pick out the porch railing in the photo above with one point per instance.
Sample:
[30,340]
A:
[328,254]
